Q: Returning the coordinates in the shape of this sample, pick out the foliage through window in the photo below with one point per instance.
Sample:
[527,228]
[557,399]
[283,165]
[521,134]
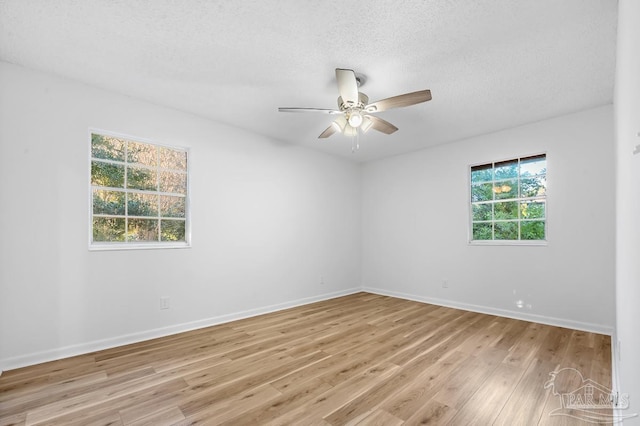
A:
[138,194]
[508,200]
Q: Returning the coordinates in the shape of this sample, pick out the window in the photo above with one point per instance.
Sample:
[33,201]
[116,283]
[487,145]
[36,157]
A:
[139,194]
[508,200]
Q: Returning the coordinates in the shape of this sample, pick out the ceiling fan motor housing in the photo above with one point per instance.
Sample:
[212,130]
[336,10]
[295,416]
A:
[363,100]
[353,112]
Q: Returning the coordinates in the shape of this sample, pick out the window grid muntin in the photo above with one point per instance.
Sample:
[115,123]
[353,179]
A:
[129,240]
[519,199]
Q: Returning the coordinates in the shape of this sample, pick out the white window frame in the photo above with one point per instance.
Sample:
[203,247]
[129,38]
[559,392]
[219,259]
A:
[128,245]
[471,241]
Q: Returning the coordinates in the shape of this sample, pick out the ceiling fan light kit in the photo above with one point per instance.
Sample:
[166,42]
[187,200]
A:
[355,118]
[354,113]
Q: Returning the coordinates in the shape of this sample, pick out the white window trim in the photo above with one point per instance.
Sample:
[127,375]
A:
[111,246]
[534,243]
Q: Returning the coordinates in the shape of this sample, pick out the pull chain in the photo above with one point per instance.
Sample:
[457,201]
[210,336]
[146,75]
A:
[355,140]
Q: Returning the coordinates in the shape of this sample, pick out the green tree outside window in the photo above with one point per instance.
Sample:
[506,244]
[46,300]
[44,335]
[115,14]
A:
[139,192]
[508,200]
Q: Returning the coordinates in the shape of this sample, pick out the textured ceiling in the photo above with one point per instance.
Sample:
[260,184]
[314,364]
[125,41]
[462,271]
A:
[490,64]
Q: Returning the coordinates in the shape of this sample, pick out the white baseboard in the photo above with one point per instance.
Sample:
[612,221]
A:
[96,345]
[558,322]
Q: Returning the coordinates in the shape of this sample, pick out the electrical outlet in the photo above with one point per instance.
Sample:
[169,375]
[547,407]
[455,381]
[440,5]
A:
[321,280]
[445,284]
[164,303]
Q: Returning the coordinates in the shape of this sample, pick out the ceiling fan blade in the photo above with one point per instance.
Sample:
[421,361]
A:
[328,131]
[321,110]
[347,86]
[400,101]
[367,123]
[382,125]
[338,125]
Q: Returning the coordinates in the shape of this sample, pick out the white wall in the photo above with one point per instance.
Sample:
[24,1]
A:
[268,221]
[627,103]
[415,226]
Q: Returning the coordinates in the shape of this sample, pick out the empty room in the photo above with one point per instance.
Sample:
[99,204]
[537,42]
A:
[319,213]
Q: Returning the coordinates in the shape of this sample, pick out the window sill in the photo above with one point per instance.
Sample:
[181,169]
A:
[537,243]
[136,246]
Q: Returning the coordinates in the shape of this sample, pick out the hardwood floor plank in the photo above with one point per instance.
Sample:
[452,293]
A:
[555,345]
[486,403]
[235,406]
[397,313]
[601,364]
[416,372]
[103,419]
[18,419]
[579,355]
[338,396]
[184,365]
[159,357]
[66,389]
[408,400]
[450,331]
[485,336]
[269,410]
[432,413]
[148,404]
[586,357]
[169,343]
[360,359]
[103,402]
[526,347]
[511,334]
[167,417]
[200,399]
[107,410]
[526,403]
[233,370]
[466,380]
[45,374]
[380,418]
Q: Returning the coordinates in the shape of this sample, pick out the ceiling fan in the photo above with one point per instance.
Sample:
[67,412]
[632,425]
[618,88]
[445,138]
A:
[355,113]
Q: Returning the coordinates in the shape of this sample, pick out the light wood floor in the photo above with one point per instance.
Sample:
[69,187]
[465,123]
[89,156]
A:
[361,359]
